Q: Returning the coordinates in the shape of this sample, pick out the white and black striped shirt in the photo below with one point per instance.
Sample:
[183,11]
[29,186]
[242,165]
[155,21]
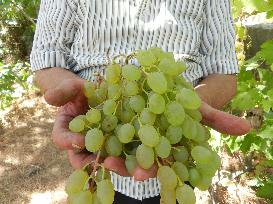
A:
[81,35]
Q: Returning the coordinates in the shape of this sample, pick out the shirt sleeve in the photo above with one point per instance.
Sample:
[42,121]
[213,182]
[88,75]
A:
[55,32]
[218,40]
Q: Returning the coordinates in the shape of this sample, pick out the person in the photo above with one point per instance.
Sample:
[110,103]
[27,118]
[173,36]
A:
[75,38]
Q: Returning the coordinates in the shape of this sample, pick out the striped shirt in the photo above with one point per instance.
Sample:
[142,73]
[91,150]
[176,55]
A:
[82,35]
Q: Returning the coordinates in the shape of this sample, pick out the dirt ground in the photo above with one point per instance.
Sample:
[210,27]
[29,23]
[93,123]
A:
[33,171]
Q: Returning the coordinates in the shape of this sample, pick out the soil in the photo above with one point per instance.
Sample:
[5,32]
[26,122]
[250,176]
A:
[33,170]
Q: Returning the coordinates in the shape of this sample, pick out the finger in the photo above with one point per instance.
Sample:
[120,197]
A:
[224,122]
[116,164]
[64,92]
[61,135]
[79,160]
[142,174]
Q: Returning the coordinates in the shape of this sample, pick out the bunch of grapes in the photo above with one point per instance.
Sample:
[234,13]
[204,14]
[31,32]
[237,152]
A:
[146,114]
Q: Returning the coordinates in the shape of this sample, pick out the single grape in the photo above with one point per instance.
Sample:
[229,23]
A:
[209,169]
[201,134]
[180,154]
[94,140]
[126,115]
[164,124]
[160,54]
[95,199]
[93,116]
[185,195]
[136,126]
[76,182]
[126,133]
[76,124]
[156,103]
[105,192]
[109,123]
[147,117]
[194,114]
[109,107]
[201,154]
[189,128]
[146,58]
[129,88]
[194,176]
[102,174]
[174,134]
[131,72]
[84,197]
[167,177]
[100,95]
[168,67]
[145,156]
[130,163]
[88,89]
[163,149]
[167,196]
[175,113]
[170,82]
[181,171]
[204,183]
[148,135]
[182,83]
[113,146]
[188,98]
[113,73]
[114,91]
[137,103]
[157,82]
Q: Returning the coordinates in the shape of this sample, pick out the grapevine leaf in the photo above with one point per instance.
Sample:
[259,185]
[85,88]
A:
[266,52]
[243,101]
[267,133]
[266,191]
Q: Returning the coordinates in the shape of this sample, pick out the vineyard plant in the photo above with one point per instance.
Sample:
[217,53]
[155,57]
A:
[254,99]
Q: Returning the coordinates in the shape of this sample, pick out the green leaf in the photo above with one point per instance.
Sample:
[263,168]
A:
[266,52]
[266,191]
[267,104]
[267,133]
[243,101]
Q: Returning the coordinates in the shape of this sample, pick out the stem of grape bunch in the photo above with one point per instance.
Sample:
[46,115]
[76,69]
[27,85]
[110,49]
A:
[144,114]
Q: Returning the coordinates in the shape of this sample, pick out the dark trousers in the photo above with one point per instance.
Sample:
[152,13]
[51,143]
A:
[123,199]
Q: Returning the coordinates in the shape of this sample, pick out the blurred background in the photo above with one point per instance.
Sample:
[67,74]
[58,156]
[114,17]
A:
[33,171]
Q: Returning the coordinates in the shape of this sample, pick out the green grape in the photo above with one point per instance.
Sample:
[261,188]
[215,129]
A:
[167,196]
[194,114]
[170,82]
[131,72]
[95,199]
[136,126]
[164,124]
[88,89]
[76,182]
[126,133]
[194,177]
[157,82]
[93,116]
[77,124]
[167,177]
[209,169]
[146,58]
[185,195]
[94,140]
[204,183]
[180,67]
[113,146]
[117,129]
[201,154]
[84,197]
[148,135]
[137,103]
[174,134]
[113,73]
[160,54]
[168,67]
[114,91]
[180,154]
[129,88]
[126,103]
[188,98]
[189,128]
[182,83]
[109,107]
[175,113]
[147,117]
[109,123]
[156,103]
[105,192]
[102,174]
[181,171]
[163,149]
[92,101]
[145,156]
[201,134]
[130,163]
[100,95]
[126,116]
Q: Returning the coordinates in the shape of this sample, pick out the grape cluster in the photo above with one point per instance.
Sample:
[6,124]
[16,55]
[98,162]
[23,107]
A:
[146,114]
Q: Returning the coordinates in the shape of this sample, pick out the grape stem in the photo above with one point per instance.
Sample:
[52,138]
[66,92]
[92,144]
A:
[158,162]
[95,166]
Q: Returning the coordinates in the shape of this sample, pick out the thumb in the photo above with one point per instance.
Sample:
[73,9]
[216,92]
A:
[66,91]
[224,122]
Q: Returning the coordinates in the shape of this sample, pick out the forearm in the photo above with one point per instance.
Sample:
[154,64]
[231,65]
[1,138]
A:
[217,89]
[50,78]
